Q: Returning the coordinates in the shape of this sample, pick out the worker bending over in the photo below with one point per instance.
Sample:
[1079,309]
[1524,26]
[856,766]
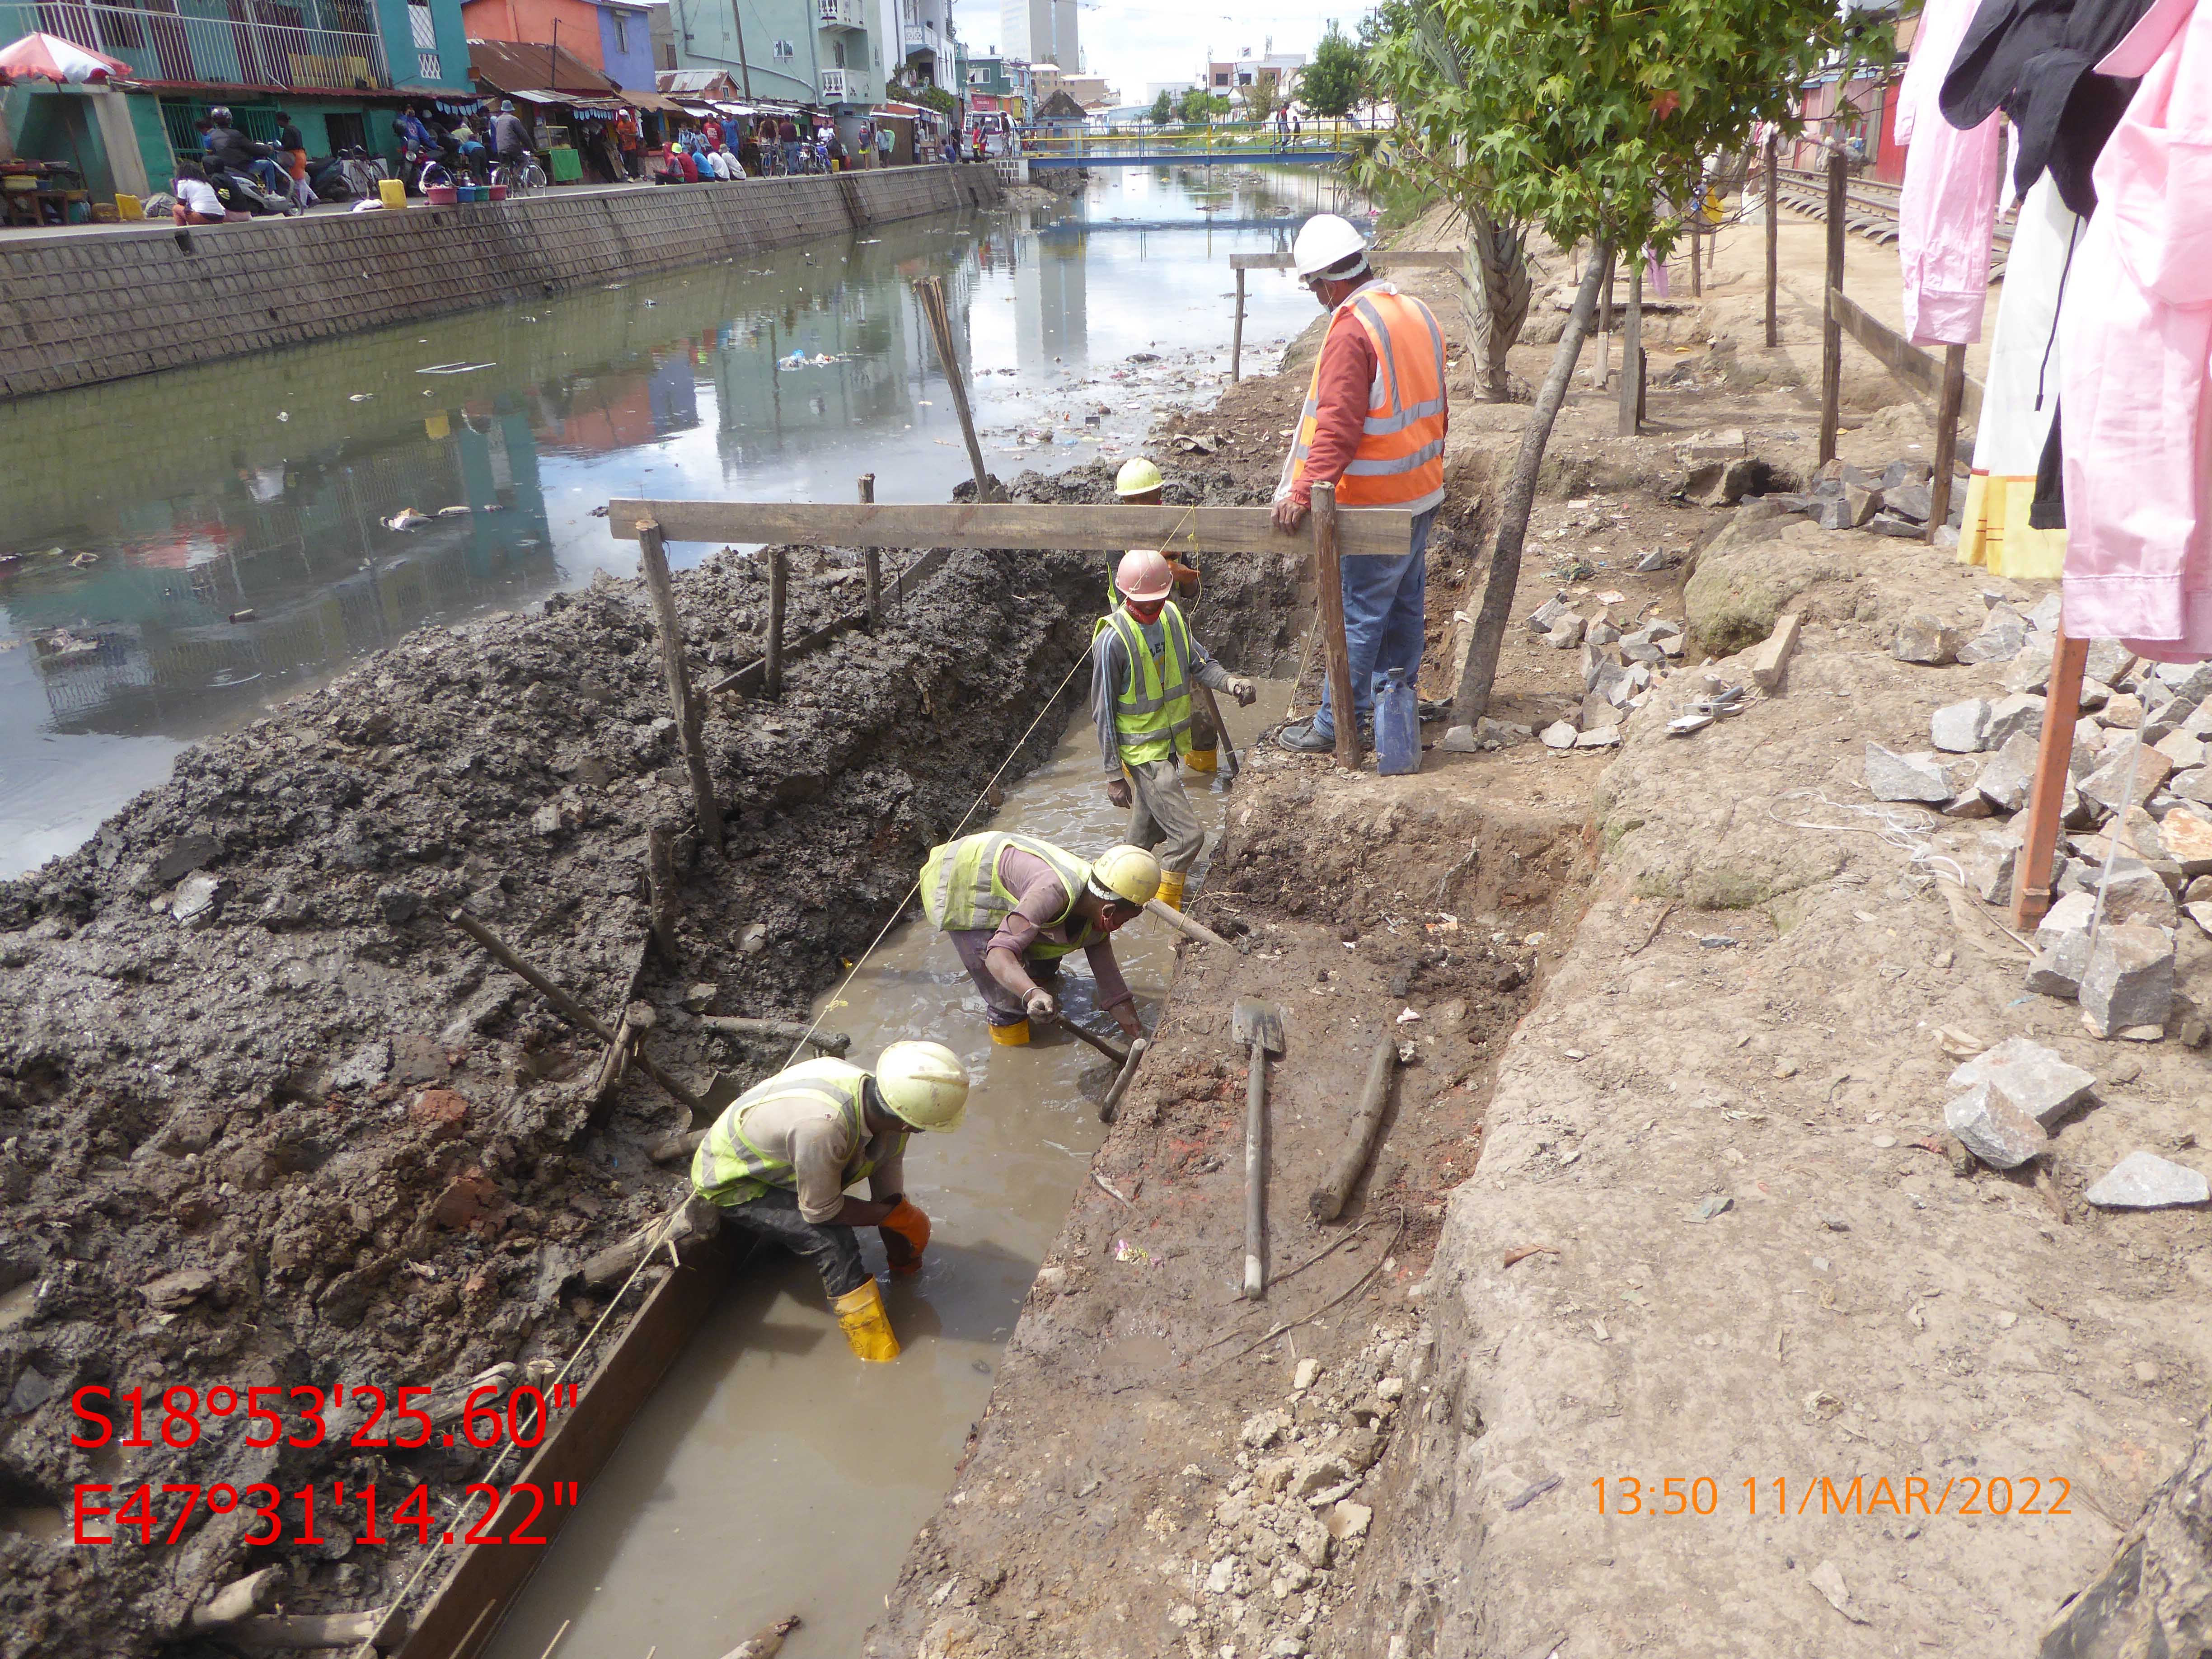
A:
[1015,905]
[781,1155]
[1373,425]
[1138,483]
[1143,663]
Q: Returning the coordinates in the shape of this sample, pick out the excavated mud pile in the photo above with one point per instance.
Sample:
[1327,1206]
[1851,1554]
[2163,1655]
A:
[266,1119]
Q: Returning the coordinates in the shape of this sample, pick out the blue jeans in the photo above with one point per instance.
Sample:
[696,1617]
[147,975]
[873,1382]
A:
[791,155]
[1385,609]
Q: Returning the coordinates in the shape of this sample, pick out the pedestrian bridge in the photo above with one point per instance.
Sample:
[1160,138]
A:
[1244,144]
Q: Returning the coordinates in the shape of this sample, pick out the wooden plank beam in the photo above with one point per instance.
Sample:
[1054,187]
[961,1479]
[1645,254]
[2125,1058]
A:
[1921,370]
[1362,530]
[1410,258]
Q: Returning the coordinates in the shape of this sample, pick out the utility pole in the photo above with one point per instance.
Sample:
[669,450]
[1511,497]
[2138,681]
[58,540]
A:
[744,69]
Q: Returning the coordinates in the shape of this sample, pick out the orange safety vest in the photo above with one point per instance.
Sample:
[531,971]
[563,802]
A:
[1400,459]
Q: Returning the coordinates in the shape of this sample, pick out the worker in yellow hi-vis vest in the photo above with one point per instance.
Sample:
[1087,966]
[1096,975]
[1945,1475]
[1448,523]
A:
[1143,663]
[1138,483]
[781,1155]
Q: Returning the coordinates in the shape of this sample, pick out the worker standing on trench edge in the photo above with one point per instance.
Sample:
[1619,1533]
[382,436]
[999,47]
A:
[1373,425]
[1015,905]
[1143,662]
[781,1155]
[1138,483]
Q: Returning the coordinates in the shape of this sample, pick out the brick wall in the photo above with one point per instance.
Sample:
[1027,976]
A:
[107,304]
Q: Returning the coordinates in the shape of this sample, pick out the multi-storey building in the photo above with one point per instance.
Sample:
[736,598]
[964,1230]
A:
[823,52]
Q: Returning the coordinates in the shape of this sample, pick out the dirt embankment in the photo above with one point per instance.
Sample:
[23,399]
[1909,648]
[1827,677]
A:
[266,1119]
[1718,1236]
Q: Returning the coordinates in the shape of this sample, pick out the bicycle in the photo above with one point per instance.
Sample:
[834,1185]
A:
[516,179]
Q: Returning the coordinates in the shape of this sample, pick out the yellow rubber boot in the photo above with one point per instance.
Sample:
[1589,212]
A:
[1203,760]
[860,1311]
[1170,893]
[1016,1035]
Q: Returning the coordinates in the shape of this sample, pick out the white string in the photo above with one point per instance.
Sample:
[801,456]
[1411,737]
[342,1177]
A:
[1890,826]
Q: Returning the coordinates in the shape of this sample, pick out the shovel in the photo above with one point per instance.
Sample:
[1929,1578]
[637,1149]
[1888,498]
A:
[1258,1027]
[1120,1056]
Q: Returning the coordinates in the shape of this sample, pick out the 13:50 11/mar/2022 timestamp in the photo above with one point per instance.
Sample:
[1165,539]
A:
[1999,1496]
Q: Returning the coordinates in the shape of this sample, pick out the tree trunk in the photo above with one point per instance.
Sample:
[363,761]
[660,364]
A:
[1488,636]
[1496,278]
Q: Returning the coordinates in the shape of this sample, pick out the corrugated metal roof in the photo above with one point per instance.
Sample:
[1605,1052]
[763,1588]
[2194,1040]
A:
[511,65]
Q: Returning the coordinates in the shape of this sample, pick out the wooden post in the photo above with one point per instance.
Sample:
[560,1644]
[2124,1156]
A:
[1328,570]
[874,556]
[1604,330]
[1236,333]
[1697,223]
[1632,352]
[1831,327]
[653,557]
[661,882]
[779,578]
[2031,889]
[1773,238]
[930,290]
[1947,436]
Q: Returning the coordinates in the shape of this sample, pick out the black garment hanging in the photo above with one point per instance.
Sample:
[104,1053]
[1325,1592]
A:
[2034,60]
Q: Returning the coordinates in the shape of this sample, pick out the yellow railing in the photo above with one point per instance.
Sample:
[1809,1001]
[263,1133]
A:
[1257,138]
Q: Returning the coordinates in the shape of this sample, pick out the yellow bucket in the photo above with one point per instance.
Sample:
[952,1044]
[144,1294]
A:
[129,207]
[393,193]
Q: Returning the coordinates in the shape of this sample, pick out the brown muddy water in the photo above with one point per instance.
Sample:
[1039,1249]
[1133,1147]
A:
[772,1472]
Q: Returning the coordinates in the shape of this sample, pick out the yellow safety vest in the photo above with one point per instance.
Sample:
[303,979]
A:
[1152,714]
[729,1169]
[962,890]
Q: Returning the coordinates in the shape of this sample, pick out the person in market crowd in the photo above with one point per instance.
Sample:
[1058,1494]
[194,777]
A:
[197,202]
[749,150]
[786,134]
[629,140]
[885,140]
[292,151]
[711,129]
[510,137]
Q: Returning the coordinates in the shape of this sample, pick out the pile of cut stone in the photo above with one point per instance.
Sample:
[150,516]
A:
[1287,1521]
[1619,667]
[2139,774]
[1894,501]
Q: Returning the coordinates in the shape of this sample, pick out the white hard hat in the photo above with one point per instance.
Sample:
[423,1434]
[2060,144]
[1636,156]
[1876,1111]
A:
[1128,873]
[1144,575]
[1324,240]
[923,1083]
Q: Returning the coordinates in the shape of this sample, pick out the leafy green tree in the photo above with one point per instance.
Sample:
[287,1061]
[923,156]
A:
[1163,109]
[1331,83]
[1586,118]
[1259,98]
[1199,107]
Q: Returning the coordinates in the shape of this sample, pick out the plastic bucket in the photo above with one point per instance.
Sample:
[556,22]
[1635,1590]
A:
[392,193]
[441,195]
[498,192]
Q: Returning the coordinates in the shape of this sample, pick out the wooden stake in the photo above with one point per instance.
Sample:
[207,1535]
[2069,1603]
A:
[1773,238]
[779,580]
[874,556]
[828,1043]
[1697,226]
[564,1005]
[1604,330]
[653,557]
[1631,354]
[661,882]
[1831,328]
[1236,333]
[1327,1201]
[2031,888]
[930,291]
[1947,436]
[1328,569]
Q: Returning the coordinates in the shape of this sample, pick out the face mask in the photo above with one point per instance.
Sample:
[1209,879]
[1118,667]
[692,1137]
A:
[1147,613]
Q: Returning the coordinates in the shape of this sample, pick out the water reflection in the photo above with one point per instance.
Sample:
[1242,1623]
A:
[181,551]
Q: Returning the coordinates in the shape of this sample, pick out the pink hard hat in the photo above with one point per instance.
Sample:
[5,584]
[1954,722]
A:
[1144,576]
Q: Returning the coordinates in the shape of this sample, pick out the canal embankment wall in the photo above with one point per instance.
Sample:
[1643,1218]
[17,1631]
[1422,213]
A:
[109,304]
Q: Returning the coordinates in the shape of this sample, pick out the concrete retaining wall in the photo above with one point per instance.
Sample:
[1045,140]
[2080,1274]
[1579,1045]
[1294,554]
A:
[103,306]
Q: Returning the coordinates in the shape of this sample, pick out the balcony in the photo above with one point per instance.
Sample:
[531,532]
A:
[841,86]
[921,37]
[273,45]
[841,14]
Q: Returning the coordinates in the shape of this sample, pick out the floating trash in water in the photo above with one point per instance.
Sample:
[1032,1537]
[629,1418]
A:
[456,368]
[455,512]
[361,396]
[407,518]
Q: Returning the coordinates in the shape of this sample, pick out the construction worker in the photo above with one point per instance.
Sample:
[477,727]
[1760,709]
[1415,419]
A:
[1143,663]
[1015,905]
[1373,425]
[1138,483]
[781,1155]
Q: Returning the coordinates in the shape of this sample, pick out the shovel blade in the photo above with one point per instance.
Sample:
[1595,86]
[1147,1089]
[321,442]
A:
[1258,1022]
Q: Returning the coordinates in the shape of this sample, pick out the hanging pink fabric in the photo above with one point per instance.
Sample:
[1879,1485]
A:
[2135,331]
[1947,208]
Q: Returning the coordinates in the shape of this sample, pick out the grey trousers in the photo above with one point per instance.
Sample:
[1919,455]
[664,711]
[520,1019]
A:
[1161,819]
[833,1252]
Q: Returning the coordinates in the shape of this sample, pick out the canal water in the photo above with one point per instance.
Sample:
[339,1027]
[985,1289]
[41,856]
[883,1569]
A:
[774,1473]
[180,552]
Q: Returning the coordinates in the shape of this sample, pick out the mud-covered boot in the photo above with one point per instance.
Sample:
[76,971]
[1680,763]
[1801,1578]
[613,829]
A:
[1170,893]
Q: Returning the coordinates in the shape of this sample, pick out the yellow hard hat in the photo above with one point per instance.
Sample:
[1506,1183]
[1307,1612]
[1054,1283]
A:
[923,1083]
[1137,475]
[1128,873]
[1143,576]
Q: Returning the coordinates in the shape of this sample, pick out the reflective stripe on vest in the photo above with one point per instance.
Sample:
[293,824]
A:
[962,890]
[1401,444]
[1152,714]
[730,1168]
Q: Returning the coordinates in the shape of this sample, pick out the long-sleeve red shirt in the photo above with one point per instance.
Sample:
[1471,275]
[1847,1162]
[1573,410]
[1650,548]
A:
[1347,374]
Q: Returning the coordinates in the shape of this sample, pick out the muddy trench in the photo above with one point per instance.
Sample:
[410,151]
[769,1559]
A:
[266,1119]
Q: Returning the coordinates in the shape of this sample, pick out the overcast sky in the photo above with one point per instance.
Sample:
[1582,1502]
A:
[1135,42]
